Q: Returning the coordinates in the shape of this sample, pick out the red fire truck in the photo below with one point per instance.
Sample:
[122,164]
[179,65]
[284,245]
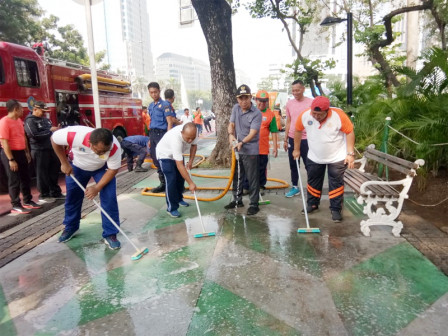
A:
[65,87]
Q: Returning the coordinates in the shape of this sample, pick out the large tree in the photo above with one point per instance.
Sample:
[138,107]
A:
[215,19]
[18,20]
[300,14]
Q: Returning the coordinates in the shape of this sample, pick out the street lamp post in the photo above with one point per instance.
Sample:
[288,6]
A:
[330,21]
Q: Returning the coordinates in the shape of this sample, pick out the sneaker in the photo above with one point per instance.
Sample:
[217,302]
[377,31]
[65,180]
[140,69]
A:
[310,209]
[66,236]
[31,205]
[20,210]
[184,204]
[252,210]
[112,242]
[336,216]
[44,197]
[292,192]
[140,169]
[174,213]
[233,204]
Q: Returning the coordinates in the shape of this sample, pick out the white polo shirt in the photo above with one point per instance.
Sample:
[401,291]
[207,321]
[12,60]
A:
[172,145]
[77,138]
[186,119]
[327,141]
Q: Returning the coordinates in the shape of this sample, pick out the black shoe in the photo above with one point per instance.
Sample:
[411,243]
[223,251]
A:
[252,210]
[233,204]
[310,209]
[336,216]
[130,169]
[20,210]
[159,189]
[140,169]
[58,196]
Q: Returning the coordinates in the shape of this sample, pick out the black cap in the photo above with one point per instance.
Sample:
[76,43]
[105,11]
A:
[243,90]
[41,105]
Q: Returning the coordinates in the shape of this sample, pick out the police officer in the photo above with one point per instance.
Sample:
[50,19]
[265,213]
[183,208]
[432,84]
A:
[162,120]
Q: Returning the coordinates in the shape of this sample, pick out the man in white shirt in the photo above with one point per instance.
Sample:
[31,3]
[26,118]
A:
[187,117]
[97,154]
[169,152]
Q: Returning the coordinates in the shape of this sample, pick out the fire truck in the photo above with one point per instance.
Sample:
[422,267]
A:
[66,88]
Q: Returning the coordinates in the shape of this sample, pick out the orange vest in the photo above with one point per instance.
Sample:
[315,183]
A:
[266,119]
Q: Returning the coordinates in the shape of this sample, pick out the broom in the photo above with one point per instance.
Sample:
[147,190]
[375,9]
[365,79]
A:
[307,229]
[140,252]
[203,234]
[262,201]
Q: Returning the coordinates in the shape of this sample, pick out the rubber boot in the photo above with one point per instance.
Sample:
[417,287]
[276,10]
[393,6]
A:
[161,187]
[139,168]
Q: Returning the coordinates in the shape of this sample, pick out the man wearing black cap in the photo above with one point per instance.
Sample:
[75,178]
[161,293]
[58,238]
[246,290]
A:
[243,130]
[39,130]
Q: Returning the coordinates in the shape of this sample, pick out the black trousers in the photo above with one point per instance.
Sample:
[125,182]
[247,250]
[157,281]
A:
[263,160]
[292,162]
[18,181]
[316,175]
[154,137]
[248,166]
[47,167]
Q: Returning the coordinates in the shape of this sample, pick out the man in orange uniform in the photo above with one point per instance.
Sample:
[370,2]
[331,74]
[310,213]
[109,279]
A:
[268,125]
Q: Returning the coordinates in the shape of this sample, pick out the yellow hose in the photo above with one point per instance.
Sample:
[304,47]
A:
[283,184]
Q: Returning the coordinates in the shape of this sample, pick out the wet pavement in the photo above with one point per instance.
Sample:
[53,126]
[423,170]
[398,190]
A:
[257,276]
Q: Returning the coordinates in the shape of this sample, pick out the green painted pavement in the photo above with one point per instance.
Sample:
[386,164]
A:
[385,293]
[354,207]
[220,312]
[126,286]
[7,327]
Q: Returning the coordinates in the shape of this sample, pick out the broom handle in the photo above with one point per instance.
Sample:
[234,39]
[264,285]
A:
[303,196]
[105,213]
[197,206]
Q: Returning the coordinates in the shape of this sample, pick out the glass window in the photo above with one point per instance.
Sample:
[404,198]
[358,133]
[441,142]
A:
[2,73]
[27,72]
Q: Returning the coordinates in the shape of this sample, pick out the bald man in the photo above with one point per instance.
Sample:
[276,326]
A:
[169,153]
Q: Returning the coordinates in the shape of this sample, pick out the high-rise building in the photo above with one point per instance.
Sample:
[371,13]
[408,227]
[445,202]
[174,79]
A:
[128,47]
[195,73]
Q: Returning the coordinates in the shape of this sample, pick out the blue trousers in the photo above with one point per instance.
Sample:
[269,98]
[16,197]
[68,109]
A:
[175,183]
[132,149]
[292,162]
[75,196]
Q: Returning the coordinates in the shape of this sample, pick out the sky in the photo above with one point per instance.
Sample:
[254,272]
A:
[252,54]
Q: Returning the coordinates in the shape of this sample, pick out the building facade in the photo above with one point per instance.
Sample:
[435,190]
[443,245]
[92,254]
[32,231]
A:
[194,73]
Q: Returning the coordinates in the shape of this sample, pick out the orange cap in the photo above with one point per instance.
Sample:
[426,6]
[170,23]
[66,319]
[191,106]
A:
[262,94]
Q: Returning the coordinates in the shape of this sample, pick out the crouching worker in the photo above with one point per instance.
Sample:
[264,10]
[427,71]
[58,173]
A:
[136,145]
[169,152]
[97,154]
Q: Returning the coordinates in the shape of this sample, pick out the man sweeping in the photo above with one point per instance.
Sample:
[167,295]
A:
[169,152]
[97,154]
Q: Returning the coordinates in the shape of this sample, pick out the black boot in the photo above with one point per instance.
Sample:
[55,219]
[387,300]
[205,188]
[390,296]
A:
[161,187]
[140,169]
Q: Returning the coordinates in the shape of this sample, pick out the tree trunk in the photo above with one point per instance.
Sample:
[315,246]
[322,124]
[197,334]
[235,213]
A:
[215,19]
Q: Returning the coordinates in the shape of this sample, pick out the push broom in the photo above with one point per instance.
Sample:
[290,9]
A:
[262,201]
[140,252]
[203,234]
[307,229]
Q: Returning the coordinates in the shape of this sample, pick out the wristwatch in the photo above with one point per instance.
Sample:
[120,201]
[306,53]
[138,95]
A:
[351,153]
[11,159]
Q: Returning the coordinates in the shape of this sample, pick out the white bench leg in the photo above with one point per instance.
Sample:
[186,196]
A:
[378,216]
